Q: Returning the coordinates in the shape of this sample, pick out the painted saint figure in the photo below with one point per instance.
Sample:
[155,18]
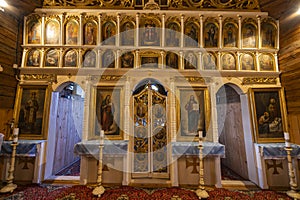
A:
[107,112]
[31,109]
[193,110]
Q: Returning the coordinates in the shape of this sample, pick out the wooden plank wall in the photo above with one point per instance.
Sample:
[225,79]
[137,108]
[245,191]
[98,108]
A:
[10,53]
[289,64]
[68,131]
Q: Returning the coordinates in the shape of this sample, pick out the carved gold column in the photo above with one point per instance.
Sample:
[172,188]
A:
[201,31]
[163,35]
[259,30]
[137,59]
[220,31]
[240,40]
[43,29]
[99,29]
[137,22]
[163,64]
[181,60]
[81,30]
[200,64]
[99,59]
[118,59]
[62,31]
[118,32]
[182,30]
[239,67]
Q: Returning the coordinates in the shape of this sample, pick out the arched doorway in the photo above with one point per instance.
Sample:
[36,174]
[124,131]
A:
[150,158]
[65,130]
[231,134]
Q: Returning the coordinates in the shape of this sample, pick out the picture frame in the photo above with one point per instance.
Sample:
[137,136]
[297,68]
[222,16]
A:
[268,114]
[149,61]
[193,112]
[31,111]
[52,35]
[107,112]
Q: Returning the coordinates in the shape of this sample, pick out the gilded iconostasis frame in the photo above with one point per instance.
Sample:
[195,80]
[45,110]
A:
[268,111]
[192,103]
[32,111]
[104,115]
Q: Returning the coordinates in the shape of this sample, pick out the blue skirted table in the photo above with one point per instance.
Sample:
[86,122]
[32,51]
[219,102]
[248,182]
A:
[116,152]
[29,159]
[120,147]
[272,164]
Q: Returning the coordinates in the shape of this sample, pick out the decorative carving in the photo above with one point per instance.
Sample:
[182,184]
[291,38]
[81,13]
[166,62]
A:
[173,4]
[38,77]
[193,79]
[151,5]
[72,17]
[261,80]
[106,78]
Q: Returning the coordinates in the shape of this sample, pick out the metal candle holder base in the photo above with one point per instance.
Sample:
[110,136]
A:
[10,187]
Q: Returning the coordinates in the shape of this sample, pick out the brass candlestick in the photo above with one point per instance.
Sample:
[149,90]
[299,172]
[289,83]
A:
[10,187]
[201,192]
[99,190]
[293,184]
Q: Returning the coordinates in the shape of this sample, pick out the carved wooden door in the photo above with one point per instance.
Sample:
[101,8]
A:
[150,157]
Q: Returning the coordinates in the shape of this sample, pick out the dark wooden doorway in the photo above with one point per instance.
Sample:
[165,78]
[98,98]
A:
[231,134]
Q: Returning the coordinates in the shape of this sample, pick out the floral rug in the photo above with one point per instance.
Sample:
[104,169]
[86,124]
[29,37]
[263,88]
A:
[79,192]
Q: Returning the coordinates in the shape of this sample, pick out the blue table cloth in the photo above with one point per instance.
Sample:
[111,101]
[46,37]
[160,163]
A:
[277,150]
[120,147]
[24,148]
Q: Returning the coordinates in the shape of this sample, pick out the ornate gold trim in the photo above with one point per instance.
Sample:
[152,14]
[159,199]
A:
[38,77]
[173,4]
[106,78]
[261,80]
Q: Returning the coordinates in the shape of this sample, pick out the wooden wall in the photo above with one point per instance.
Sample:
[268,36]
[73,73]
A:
[68,131]
[289,62]
[10,53]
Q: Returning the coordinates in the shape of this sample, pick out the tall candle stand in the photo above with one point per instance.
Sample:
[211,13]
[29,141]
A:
[99,190]
[10,187]
[201,192]
[293,184]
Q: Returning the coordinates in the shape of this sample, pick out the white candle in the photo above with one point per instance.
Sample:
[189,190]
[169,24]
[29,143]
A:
[200,138]
[101,137]
[286,136]
[15,135]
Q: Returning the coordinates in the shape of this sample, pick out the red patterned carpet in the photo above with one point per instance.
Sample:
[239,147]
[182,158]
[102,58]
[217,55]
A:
[49,192]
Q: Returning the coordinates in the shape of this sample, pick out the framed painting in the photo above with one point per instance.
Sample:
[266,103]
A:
[149,61]
[108,112]
[51,58]
[190,61]
[34,32]
[249,35]
[31,111]
[90,33]
[268,114]
[33,58]
[52,32]
[248,61]
[211,32]
[127,34]
[266,62]
[89,59]
[192,112]
[72,33]
[127,60]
